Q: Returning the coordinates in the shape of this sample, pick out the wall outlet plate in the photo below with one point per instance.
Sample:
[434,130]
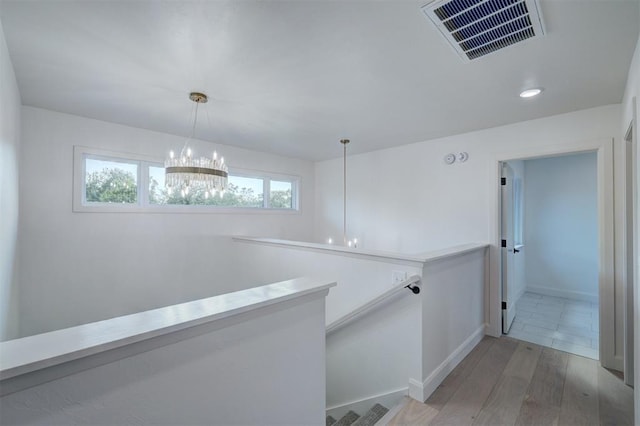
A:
[398,276]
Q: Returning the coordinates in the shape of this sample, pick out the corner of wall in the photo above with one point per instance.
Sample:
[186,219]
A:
[632,90]
[10,123]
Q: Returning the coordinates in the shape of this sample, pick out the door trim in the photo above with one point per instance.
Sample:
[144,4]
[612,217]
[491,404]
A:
[630,244]
[606,283]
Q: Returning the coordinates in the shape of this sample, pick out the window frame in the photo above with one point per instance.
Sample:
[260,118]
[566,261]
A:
[80,205]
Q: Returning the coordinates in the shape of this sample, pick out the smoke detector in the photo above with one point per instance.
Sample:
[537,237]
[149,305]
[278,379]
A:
[475,28]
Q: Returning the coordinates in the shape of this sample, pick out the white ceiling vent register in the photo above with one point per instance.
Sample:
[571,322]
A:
[478,27]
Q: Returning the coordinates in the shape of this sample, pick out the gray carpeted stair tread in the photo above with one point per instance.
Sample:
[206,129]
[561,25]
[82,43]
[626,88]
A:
[347,419]
[330,421]
[372,416]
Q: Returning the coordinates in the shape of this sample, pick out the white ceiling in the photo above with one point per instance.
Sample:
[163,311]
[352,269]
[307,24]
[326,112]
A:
[294,77]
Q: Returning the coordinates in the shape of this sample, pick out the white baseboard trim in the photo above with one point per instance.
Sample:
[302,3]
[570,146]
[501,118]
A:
[569,294]
[420,391]
[490,330]
[388,399]
[520,293]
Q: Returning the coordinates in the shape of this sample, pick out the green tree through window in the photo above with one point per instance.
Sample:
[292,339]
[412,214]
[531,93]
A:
[111,185]
[234,196]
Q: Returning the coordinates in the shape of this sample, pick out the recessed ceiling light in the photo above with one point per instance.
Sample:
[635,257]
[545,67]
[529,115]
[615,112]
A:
[530,93]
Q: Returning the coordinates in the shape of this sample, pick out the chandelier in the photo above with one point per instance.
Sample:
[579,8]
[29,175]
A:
[185,171]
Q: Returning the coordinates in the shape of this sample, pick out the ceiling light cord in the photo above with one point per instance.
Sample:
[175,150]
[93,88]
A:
[344,142]
[193,131]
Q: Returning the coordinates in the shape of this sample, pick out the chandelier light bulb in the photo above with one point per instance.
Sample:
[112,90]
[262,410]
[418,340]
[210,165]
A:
[171,154]
[215,155]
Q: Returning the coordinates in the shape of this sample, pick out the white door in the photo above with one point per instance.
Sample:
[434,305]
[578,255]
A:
[508,281]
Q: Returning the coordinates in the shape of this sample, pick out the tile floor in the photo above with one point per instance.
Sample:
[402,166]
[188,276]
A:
[564,324]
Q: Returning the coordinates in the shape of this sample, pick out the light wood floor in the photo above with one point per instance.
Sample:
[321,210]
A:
[510,382]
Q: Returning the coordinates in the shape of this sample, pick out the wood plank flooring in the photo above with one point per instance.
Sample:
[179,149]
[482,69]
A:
[510,382]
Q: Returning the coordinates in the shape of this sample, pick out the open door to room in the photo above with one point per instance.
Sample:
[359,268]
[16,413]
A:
[550,275]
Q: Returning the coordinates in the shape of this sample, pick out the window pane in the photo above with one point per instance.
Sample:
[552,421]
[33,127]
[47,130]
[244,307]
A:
[111,181]
[241,192]
[280,195]
[157,191]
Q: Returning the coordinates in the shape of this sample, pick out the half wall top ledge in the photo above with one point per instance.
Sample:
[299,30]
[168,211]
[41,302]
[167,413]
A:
[30,354]
[417,260]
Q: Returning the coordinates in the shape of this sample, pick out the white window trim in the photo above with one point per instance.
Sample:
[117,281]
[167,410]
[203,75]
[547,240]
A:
[143,205]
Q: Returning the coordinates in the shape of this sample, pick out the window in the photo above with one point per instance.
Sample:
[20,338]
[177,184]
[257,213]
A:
[280,194]
[109,181]
[241,192]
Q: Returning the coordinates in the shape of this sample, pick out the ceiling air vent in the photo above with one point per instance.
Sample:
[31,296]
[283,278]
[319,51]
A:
[478,27]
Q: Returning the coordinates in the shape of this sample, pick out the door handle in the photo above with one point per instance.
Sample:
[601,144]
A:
[515,250]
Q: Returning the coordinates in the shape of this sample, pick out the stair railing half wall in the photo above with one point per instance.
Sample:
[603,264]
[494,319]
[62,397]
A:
[412,283]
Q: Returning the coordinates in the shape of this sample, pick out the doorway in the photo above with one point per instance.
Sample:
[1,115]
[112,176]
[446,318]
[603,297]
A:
[550,252]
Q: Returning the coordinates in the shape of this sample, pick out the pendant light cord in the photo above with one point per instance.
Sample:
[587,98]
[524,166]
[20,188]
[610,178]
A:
[193,131]
[344,201]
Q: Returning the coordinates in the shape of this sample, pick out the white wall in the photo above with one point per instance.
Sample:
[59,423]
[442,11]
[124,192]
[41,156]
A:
[9,166]
[267,370]
[452,315]
[406,199]
[561,226]
[82,267]
[408,344]
[632,91]
[374,355]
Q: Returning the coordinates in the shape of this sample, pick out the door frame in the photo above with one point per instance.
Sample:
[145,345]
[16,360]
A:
[630,245]
[606,282]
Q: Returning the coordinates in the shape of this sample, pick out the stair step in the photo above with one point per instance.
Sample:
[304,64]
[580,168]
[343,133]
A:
[330,421]
[372,416]
[347,419]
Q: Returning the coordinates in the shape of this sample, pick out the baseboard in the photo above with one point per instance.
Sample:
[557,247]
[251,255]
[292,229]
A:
[575,295]
[420,391]
[519,294]
[361,406]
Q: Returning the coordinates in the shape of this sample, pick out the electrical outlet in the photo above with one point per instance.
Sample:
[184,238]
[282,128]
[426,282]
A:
[398,276]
